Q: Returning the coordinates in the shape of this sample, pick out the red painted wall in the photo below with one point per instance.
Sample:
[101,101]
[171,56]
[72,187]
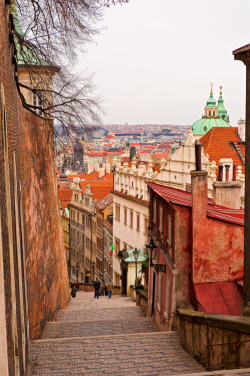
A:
[218,251]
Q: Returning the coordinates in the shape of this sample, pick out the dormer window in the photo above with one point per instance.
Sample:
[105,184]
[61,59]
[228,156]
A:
[213,113]
[209,113]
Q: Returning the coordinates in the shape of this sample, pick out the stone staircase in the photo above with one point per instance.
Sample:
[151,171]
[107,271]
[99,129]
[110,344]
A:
[108,337]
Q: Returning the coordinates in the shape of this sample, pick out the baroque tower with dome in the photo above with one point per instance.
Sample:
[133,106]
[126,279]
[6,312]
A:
[215,115]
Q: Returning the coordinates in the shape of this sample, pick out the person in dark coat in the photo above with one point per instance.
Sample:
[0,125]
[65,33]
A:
[97,285]
[73,291]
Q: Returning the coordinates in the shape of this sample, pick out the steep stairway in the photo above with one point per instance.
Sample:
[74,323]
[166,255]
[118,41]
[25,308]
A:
[107,337]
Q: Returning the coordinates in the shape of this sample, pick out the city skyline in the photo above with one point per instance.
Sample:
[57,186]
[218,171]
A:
[162,73]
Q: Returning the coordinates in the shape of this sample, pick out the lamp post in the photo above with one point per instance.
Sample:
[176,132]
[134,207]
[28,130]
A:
[93,268]
[151,248]
[136,256]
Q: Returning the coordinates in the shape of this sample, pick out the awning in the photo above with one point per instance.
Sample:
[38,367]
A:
[222,298]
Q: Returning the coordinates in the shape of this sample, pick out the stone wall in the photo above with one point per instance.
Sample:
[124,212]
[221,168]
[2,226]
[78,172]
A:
[216,341]
[33,272]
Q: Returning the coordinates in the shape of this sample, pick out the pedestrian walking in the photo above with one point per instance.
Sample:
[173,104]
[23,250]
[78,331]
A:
[110,287]
[73,291]
[102,289]
[97,285]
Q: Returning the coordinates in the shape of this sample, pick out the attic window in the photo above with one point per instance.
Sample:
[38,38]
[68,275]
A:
[205,128]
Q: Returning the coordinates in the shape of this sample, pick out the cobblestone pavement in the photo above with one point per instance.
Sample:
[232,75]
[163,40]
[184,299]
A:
[108,337]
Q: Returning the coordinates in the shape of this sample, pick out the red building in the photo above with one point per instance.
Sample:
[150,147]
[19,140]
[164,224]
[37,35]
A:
[199,255]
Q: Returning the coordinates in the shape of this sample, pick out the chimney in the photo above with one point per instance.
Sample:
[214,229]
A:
[227,193]
[199,206]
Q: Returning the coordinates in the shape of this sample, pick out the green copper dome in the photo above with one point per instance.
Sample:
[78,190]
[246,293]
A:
[222,112]
[202,126]
[216,118]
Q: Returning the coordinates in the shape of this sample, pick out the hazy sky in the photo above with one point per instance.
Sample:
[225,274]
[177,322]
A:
[154,59]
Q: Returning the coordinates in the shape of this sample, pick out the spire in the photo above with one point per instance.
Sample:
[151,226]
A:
[211,92]
[211,102]
[222,112]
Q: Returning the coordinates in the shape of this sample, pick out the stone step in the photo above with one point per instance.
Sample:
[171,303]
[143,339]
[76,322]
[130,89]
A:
[103,302]
[97,328]
[101,314]
[157,353]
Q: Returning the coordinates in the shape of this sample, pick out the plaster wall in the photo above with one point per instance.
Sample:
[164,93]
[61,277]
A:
[218,251]
[125,233]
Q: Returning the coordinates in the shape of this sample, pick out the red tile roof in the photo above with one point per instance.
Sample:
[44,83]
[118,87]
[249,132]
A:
[92,176]
[110,137]
[65,194]
[222,298]
[178,197]
[99,189]
[218,143]
[160,155]
[64,205]
[108,176]
[106,201]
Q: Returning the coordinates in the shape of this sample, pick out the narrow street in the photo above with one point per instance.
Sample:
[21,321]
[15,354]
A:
[107,337]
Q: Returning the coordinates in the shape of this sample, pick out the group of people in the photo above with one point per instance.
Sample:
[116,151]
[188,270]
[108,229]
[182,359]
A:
[101,289]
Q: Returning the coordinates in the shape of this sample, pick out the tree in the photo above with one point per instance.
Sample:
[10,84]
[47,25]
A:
[49,35]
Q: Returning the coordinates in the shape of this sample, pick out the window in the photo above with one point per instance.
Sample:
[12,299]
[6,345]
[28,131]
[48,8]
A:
[117,246]
[83,219]
[213,113]
[117,213]
[170,235]
[131,218]
[86,201]
[37,102]
[209,113]
[78,217]
[137,222]
[125,216]
[145,225]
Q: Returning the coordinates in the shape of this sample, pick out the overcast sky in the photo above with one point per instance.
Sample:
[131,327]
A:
[154,59]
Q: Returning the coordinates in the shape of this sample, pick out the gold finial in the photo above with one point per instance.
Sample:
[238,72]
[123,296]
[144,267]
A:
[220,90]
[211,92]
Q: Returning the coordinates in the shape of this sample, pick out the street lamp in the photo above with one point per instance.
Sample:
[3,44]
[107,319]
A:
[151,248]
[136,256]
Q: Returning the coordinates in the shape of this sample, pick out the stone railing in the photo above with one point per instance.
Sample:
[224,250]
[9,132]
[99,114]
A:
[216,341]
[142,300]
